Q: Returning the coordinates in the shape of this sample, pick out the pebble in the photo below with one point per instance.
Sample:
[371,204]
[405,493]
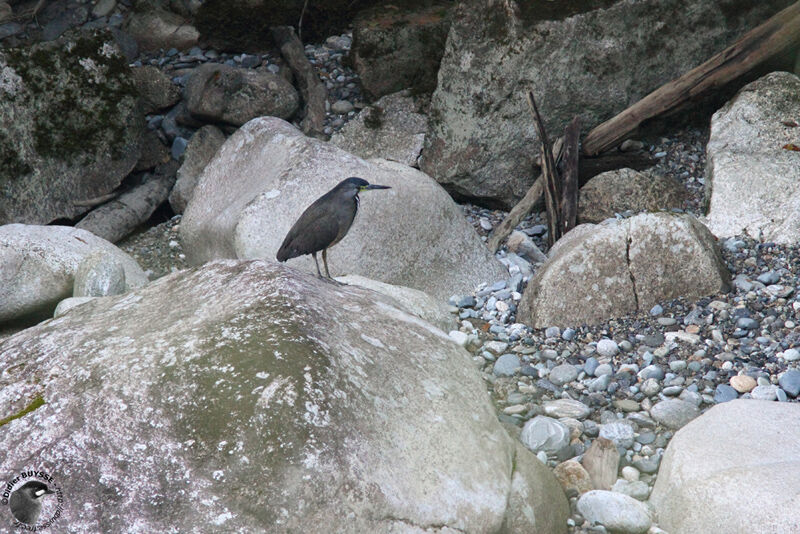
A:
[620,432]
[506,365]
[460,338]
[562,374]
[603,369]
[637,489]
[607,348]
[791,355]
[616,512]
[743,383]
[630,473]
[497,347]
[790,382]
[566,408]
[590,365]
[545,434]
[674,413]
[768,393]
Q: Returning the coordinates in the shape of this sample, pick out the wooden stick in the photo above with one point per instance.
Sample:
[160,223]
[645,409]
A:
[552,192]
[569,176]
[778,33]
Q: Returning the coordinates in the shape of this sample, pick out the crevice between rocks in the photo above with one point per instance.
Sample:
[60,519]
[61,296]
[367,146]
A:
[628,241]
[436,527]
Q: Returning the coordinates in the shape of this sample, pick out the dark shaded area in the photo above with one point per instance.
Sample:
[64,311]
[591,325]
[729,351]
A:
[533,11]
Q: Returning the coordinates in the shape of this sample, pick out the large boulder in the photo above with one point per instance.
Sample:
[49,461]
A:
[626,189]
[599,271]
[580,58]
[265,400]
[392,128]
[69,126]
[268,172]
[217,92]
[733,469]
[38,265]
[397,48]
[753,182]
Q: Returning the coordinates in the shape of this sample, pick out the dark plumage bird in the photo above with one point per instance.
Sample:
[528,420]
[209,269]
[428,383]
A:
[26,502]
[325,222]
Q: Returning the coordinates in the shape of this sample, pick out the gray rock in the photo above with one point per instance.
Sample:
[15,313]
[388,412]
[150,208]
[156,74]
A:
[52,161]
[70,303]
[221,93]
[254,356]
[589,276]
[620,432]
[791,355]
[566,408]
[506,365]
[156,90]
[341,107]
[626,189]
[617,512]
[397,48]
[545,434]
[674,413]
[790,382]
[600,383]
[562,374]
[519,243]
[752,183]
[637,489]
[201,149]
[607,348]
[268,172]
[480,139]
[392,128]
[154,29]
[724,393]
[766,392]
[38,266]
[699,485]
[99,274]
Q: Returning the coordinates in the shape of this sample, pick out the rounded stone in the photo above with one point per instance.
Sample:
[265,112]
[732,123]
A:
[673,413]
[607,348]
[768,393]
[790,382]
[566,408]
[743,383]
[620,432]
[562,374]
[545,434]
[506,365]
[99,275]
[615,511]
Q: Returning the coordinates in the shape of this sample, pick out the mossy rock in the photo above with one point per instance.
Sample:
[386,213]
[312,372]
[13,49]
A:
[70,123]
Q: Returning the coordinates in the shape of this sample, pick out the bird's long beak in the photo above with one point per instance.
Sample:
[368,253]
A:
[373,186]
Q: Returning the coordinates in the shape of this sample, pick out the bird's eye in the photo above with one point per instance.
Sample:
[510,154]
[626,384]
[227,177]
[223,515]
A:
[39,493]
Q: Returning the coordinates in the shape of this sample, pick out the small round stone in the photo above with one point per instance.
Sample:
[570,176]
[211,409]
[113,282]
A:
[506,365]
[742,383]
[562,374]
[607,348]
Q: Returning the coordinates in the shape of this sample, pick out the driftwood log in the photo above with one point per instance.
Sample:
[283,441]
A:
[778,34]
[569,177]
[120,217]
[312,90]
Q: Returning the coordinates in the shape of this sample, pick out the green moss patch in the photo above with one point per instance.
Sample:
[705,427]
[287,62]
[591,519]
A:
[34,404]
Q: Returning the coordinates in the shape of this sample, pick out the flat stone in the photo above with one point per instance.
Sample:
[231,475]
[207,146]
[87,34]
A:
[674,413]
[767,393]
[566,408]
[637,489]
[627,405]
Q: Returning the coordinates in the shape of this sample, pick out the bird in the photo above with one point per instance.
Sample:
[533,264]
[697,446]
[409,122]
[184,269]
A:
[325,222]
[26,502]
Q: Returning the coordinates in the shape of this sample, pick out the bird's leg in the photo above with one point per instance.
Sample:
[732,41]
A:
[325,261]
[314,255]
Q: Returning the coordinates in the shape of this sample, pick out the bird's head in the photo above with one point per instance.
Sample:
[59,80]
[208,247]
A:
[359,184]
[35,489]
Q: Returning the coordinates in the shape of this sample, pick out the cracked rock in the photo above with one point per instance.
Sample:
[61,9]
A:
[597,272]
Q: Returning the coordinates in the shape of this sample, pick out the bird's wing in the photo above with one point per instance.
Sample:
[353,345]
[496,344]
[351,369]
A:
[311,233]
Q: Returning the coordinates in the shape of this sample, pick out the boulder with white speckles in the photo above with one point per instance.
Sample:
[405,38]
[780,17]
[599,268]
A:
[267,173]
[247,396]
